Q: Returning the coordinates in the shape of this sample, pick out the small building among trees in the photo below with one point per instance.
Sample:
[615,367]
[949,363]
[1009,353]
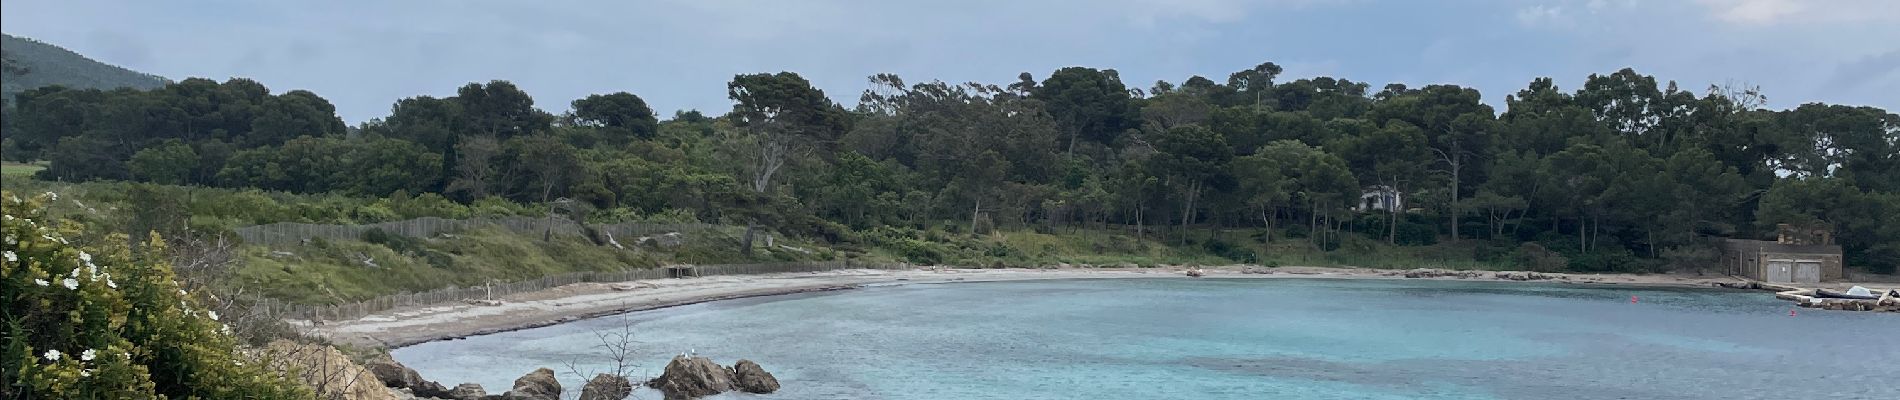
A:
[1380,198]
[1797,255]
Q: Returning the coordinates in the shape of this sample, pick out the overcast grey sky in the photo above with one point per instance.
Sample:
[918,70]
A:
[363,55]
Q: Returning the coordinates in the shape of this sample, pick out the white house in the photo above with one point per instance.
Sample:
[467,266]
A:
[1380,198]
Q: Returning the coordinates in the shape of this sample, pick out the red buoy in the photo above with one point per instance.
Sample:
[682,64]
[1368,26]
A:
[1632,299]
[1790,312]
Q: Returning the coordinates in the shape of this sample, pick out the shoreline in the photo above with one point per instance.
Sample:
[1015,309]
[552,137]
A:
[414,325]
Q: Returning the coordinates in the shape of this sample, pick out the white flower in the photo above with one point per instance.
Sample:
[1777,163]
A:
[92,270]
[52,355]
[212,314]
[85,373]
[51,195]
[87,355]
[85,257]
[16,199]
[224,328]
[110,283]
[181,292]
[70,283]
[10,239]
[41,282]
[10,256]
[75,272]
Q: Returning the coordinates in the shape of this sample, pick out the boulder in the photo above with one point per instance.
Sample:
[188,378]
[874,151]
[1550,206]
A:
[606,387]
[692,377]
[537,385]
[326,368]
[395,375]
[467,391]
[749,377]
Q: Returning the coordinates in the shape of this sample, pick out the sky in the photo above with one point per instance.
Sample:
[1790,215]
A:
[363,55]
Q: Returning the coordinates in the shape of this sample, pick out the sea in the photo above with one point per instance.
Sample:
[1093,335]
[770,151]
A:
[1180,338]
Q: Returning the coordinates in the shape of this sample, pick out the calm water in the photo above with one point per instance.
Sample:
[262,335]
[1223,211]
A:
[1237,339]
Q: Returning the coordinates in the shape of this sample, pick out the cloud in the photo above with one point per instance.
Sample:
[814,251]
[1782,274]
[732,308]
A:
[1771,12]
[1542,16]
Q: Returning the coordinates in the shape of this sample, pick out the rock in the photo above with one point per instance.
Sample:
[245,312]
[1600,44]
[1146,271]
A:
[320,366]
[692,377]
[1195,273]
[395,375]
[606,387]
[537,385]
[468,391]
[749,377]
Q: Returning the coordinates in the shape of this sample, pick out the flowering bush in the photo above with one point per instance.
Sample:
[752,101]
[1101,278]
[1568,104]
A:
[102,323]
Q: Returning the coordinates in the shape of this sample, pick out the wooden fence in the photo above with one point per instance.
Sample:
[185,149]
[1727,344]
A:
[497,290]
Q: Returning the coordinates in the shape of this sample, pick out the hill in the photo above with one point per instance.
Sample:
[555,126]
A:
[27,64]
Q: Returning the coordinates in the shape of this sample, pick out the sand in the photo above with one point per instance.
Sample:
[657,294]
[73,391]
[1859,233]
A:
[411,325]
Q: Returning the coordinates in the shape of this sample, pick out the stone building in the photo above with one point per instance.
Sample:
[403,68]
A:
[1797,255]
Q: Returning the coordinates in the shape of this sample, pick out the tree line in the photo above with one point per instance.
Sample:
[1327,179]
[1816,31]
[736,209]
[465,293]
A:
[1615,175]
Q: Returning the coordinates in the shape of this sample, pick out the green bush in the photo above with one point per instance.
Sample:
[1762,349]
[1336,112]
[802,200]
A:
[100,323]
[1229,251]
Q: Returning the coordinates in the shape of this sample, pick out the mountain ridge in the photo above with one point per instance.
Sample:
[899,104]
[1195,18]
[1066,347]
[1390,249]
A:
[27,63]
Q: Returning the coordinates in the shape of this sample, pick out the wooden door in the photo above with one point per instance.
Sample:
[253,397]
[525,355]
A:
[1807,271]
[1780,271]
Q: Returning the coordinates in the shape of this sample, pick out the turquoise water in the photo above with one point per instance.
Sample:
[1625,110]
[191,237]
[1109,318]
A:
[1236,339]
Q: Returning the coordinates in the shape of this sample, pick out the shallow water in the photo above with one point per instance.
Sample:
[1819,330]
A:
[1235,339]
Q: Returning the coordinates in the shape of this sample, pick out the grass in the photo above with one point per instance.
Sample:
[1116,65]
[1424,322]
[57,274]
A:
[1021,247]
[12,170]
[337,271]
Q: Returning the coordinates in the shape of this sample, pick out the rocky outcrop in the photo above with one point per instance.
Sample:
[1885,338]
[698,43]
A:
[1522,276]
[393,374]
[606,387]
[747,376]
[537,385]
[326,370]
[692,377]
[468,391]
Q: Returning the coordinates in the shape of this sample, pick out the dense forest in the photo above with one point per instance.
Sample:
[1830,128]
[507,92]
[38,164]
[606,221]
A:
[1620,174]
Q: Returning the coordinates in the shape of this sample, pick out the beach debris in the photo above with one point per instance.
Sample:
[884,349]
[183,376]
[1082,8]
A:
[395,375]
[1195,272]
[606,387]
[669,239]
[468,391]
[621,287]
[691,378]
[751,378]
[537,385]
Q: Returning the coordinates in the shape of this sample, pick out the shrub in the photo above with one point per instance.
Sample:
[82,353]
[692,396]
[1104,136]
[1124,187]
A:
[1298,231]
[100,323]
[1535,257]
[1229,251]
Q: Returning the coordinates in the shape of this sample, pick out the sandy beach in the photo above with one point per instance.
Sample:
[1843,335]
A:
[411,325]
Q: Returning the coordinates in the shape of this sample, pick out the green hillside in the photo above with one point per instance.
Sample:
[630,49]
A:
[27,64]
